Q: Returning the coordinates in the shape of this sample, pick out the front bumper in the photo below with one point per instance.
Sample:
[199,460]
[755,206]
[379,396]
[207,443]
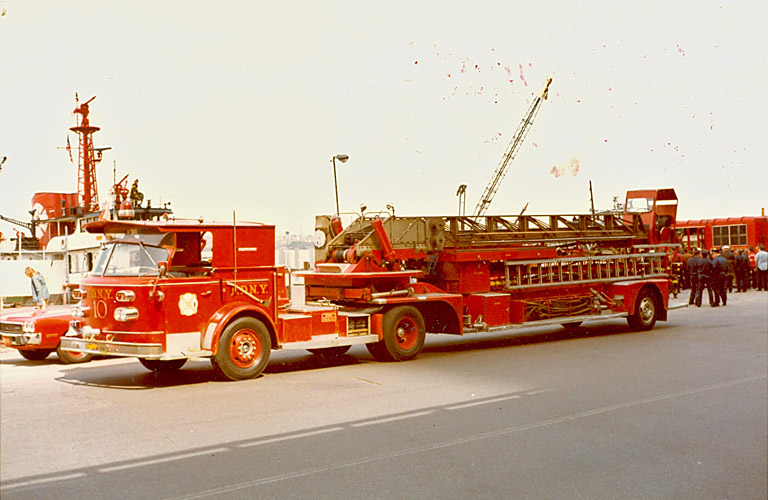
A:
[112,348]
[82,339]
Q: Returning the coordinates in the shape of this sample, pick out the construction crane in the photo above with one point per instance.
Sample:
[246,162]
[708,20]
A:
[509,155]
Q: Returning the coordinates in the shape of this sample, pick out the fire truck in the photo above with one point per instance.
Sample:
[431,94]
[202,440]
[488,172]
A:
[167,292]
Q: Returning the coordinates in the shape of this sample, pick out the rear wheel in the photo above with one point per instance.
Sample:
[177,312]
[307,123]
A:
[404,335]
[645,314]
[35,355]
[69,358]
[162,365]
[243,350]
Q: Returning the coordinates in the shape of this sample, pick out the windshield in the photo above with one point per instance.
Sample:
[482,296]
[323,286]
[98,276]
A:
[639,205]
[129,259]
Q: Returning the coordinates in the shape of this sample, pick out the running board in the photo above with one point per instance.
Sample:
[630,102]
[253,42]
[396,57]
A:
[333,340]
[544,322]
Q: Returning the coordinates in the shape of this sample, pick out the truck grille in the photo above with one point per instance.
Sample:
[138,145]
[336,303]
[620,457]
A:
[6,327]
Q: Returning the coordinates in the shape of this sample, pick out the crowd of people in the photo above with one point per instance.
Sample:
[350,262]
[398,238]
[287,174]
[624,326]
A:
[720,270]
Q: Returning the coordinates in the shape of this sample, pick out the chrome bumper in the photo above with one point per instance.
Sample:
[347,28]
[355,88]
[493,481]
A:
[22,339]
[111,348]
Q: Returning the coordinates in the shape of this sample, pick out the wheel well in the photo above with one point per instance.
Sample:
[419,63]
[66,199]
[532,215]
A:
[653,290]
[439,317]
[260,317]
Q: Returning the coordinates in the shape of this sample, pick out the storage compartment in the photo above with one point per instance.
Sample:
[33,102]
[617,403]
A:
[489,308]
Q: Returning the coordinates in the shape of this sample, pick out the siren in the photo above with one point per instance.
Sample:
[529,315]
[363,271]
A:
[126,210]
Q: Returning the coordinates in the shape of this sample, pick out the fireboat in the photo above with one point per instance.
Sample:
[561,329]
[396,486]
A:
[58,246]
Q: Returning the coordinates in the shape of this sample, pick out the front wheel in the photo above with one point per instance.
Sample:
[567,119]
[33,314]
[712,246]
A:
[404,335]
[161,365]
[645,314]
[243,350]
[70,358]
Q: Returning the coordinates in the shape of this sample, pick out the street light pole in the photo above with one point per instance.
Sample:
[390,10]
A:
[342,159]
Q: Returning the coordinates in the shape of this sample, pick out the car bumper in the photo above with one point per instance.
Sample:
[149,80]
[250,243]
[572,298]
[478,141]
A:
[22,339]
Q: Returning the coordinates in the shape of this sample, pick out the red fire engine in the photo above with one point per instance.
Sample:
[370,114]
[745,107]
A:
[736,232]
[160,294]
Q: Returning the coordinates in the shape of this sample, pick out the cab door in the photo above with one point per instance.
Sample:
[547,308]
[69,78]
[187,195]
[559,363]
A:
[189,304]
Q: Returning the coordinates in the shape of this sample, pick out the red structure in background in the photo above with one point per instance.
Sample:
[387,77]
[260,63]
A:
[88,157]
[736,232]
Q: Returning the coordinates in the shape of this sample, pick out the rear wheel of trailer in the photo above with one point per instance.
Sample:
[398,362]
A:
[404,335]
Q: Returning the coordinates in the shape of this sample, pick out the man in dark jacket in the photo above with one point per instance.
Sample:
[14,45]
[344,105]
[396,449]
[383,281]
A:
[705,270]
[693,264]
[729,256]
[719,277]
[742,271]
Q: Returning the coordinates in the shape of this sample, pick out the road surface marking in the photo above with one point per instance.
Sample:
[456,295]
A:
[171,458]
[215,492]
[482,402]
[288,437]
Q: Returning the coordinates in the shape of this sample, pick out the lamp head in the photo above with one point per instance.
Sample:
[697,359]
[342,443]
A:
[342,158]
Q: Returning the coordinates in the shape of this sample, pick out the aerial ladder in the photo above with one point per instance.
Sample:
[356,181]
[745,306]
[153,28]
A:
[511,152]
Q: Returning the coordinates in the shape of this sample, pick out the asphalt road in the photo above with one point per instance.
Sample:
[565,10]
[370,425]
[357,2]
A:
[675,413]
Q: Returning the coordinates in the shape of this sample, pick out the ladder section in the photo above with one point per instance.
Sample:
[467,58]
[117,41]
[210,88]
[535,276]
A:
[478,232]
[582,270]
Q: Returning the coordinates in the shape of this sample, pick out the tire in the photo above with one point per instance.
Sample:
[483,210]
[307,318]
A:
[645,314]
[331,352]
[35,355]
[243,349]
[162,365]
[70,358]
[404,335]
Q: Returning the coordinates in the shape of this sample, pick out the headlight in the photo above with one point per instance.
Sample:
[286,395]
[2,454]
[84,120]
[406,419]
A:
[28,327]
[126,313]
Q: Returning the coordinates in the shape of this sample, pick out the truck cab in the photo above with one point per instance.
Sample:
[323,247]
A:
[166,292]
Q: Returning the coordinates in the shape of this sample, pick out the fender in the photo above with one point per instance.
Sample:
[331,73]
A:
[630,290]
[221,318]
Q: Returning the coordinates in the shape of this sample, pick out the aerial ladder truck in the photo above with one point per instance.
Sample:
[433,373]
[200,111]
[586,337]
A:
[383,283]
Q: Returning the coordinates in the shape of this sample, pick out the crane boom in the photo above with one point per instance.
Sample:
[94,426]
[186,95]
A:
[509,155]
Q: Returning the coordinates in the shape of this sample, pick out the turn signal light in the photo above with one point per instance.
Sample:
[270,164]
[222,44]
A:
[125,296]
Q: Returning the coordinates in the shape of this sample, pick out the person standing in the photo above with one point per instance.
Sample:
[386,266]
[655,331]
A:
[686,270]
[693,264]
[719,278]
[761,267]
[742,271]
[752,271]
[40,293]
[706,270]
[729,256]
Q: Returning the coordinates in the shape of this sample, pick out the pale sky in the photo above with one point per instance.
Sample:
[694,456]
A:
[222,106]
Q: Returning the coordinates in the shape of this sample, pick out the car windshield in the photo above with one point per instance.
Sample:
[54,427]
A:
[129,259]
